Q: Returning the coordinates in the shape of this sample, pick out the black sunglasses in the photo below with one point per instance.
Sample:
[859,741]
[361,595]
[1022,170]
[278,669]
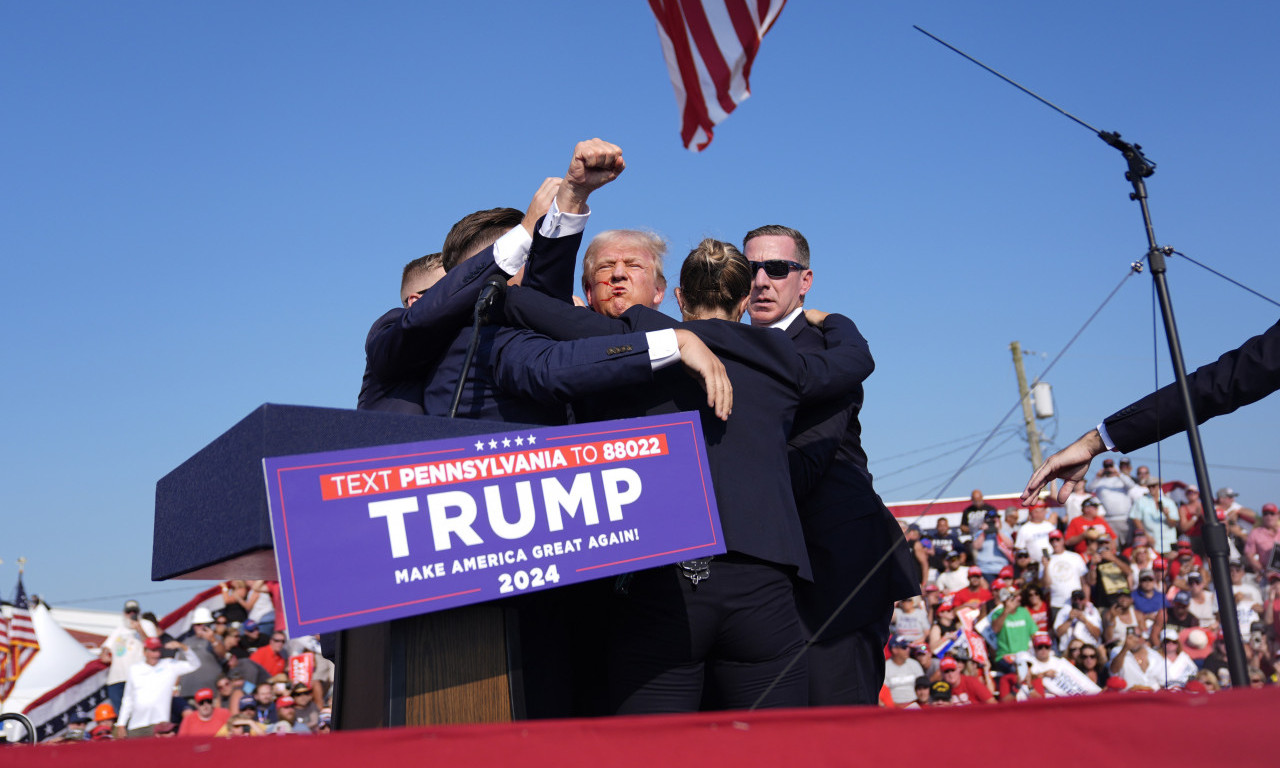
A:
[775,268]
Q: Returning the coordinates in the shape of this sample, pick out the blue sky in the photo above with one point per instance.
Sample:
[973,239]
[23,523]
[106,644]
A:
[205,206]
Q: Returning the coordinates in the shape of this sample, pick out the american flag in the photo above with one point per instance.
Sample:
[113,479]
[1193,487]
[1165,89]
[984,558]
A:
[19,642]
[709,46]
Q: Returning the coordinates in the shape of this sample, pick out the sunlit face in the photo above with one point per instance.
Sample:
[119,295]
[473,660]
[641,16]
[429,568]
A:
[622,276]
[773,298]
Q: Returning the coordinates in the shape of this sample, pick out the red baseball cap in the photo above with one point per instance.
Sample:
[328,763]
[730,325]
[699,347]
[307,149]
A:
[1006,572]
[948,664]
[975,570]
[153,644]
[204,694]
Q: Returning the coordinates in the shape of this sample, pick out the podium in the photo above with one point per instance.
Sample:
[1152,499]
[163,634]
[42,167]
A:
[212,522]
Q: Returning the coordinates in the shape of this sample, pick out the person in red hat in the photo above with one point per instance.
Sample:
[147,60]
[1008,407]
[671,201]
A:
[148,689]
[965,690]
[946,627]
[1183,561]
[975,594]
[1064,573]
[206,719]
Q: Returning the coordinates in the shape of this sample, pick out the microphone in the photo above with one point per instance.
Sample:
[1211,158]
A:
[494,287]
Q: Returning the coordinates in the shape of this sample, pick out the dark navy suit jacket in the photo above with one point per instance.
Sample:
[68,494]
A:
[1242,376]
[404,345]
[847,528]
[748,453]
[389,394]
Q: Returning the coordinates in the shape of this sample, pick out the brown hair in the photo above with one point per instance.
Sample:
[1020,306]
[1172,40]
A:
[477,231]
[802,245]
[420,265]
[715,275]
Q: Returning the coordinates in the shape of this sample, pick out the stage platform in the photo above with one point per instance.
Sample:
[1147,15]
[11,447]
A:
[1165,729]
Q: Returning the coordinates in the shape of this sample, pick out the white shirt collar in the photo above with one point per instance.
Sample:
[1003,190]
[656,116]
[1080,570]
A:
[785,322]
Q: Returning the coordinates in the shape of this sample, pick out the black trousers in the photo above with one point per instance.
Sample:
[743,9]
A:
[849,670]
[740,627]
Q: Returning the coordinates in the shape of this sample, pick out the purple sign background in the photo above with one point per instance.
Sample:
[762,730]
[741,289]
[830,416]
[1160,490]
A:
[373,534]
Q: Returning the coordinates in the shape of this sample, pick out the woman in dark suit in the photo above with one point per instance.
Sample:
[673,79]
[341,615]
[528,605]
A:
[733,618]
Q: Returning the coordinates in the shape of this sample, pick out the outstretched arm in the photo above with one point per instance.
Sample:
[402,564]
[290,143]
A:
[1070,465]
[556,319]
[537,367]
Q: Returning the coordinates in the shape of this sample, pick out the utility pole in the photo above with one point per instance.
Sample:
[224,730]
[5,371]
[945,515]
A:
[1028,413]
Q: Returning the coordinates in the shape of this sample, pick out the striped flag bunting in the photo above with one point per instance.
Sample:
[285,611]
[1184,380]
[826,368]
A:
[18,641]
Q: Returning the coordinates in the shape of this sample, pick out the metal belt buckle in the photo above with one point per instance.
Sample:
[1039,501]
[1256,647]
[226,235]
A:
[697,570]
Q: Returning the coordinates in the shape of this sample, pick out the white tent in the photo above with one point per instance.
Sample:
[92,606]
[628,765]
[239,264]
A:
[60,660]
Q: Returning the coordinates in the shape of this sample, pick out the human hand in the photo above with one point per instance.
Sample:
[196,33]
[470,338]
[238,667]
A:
[595,163]
[1070,465]
[704,366]
[815,316]
[538,207]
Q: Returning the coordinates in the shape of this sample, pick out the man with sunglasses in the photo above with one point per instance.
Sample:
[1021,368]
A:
[846,525]
[206,719]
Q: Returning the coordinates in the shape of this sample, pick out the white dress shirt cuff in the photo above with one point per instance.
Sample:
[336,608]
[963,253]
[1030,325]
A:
[557,223]
[664,350]
[511,250]
[1106,439]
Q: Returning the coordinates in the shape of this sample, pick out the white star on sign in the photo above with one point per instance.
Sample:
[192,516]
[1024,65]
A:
[506,442]
[532,439]
[519,440]
[479,445]
[493,443]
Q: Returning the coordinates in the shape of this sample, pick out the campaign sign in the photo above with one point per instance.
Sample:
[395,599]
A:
[373,534]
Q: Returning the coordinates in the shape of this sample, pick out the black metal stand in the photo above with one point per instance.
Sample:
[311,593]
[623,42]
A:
[493,286]
[1215,532]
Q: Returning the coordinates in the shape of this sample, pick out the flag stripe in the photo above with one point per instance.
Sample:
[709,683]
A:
[695,120]
[713,57]
[709,47]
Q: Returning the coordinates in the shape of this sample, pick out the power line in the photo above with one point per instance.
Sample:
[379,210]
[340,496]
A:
[122,596]
[1236,283]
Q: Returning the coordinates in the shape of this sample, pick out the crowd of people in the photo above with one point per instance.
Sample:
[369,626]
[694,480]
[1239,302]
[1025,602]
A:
[233,673]
[1111,592]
